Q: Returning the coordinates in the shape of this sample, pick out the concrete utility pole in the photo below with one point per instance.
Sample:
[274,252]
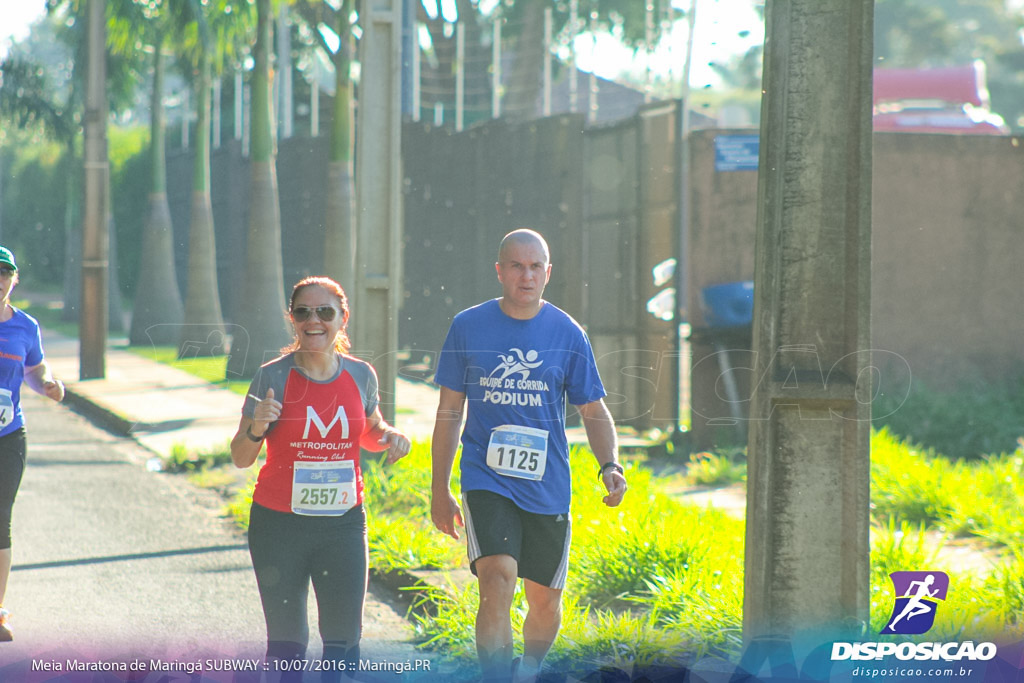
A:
[808,481]
[379,194]
[94,311]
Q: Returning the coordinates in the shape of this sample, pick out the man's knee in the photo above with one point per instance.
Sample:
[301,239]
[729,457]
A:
[497,575]
[543,600]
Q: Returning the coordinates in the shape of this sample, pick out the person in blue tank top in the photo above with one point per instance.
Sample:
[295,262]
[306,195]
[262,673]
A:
[21,360]
[509,365]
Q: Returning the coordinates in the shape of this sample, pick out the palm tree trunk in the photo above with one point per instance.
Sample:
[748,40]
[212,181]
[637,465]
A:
[157,314]
[260,330]
[525,80]
[72,233]
[203,333]
[340,229]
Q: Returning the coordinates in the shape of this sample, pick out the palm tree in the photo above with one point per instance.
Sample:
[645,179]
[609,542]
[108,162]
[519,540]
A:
[340,237]
[260,329]
[158,311]
[204,333]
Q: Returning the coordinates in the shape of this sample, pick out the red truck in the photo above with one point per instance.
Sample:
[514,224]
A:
[940,100]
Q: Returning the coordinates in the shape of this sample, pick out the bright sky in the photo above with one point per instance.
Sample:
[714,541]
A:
[725,28]
[719,25]
[15,17]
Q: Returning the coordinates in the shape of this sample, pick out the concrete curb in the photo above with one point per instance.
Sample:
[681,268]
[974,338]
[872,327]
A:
[96,413]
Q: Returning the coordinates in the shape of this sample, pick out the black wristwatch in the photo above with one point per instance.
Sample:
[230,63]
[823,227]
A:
[253,437]
[610,465]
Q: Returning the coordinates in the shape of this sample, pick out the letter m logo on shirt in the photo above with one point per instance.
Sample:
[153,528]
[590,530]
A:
[312,418]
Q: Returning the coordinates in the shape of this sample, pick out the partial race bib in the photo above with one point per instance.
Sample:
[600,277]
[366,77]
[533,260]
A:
[324,488]
[6,408]
[520,452]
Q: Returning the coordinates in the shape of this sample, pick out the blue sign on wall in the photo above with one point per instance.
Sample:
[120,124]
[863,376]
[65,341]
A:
[736,152]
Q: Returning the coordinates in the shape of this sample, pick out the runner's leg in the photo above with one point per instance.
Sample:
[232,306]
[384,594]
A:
[339,571]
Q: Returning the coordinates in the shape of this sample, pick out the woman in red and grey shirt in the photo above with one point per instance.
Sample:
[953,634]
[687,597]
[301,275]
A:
[315,407]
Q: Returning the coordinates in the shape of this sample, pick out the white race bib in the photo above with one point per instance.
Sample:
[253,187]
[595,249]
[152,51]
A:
[518,452]
[6,408]
[324,488]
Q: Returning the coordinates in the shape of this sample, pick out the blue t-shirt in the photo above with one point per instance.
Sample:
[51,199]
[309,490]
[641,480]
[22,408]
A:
[518,374]
[20,347]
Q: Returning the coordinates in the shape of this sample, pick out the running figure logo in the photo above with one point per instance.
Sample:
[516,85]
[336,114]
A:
[917,600]
[516,362]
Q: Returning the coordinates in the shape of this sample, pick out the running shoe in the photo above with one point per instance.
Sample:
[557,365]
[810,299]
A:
[6,633]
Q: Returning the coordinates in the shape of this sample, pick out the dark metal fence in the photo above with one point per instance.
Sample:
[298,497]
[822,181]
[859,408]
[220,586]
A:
[603,197]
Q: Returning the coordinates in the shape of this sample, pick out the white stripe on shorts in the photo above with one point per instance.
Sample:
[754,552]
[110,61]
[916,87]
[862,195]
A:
[558,580]
[472,544]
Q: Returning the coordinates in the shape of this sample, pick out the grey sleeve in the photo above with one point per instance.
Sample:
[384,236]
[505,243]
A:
[365,378]
[272,375]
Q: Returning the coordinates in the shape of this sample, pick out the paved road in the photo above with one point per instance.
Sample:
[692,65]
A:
[114,563]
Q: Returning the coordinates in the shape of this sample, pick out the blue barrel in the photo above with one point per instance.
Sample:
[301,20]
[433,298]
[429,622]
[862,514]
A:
[729,304]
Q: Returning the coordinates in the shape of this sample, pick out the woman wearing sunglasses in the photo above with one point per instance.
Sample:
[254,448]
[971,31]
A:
[21,359]
[315,407]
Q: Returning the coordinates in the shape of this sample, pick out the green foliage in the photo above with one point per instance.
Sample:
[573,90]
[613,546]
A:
[401,534]
[907,483]
[965,423]
[1007,581]
[447,625]
[33,210]
[727,466]
[917,487]
[129,187]
[36,200]
[609,639]
[403,543]
[240,503]
[182,459]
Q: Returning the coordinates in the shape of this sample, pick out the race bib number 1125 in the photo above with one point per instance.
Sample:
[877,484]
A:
[518,452]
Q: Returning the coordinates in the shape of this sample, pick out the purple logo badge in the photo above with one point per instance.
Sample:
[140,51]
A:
[917,600]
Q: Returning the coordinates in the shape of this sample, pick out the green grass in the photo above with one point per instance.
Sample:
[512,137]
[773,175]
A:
[980,497]
[659,581]
[182,459]
[49,317]
[212,369]
[967,423]
[721,468]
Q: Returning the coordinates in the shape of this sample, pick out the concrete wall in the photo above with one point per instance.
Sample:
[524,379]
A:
[948,247]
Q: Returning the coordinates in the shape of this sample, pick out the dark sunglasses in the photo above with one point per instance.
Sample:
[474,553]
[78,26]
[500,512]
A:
[325,313]
[6,271]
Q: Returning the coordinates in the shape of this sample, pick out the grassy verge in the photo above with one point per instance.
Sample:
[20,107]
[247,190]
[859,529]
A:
[980,497]
[658,581]
[212,369]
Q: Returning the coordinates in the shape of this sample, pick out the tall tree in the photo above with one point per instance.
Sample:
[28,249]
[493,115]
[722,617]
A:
[340,222]
[204,332]
[158,310]
[260,329]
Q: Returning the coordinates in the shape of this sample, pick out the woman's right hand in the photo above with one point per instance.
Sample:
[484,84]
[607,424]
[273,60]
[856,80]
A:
[267,410]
